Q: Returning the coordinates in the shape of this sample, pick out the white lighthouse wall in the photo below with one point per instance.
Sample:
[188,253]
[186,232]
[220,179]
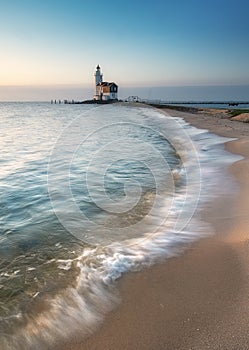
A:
[98,77]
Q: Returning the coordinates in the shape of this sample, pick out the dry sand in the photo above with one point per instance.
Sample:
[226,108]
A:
[243,117]
[199,300]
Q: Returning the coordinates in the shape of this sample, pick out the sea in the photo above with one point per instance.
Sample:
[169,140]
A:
[233,105]
[89,193]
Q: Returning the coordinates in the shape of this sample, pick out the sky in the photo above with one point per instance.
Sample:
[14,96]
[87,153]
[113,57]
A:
[51,47]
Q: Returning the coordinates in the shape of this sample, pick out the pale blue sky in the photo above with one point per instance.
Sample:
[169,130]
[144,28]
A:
[57,44]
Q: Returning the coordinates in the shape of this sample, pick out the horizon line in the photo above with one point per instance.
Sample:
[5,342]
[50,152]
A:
[122,86]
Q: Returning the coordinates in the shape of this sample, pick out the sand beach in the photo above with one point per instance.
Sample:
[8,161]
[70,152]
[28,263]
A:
[198,300]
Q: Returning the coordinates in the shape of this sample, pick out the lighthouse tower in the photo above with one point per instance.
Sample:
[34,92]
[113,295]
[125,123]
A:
[98,77]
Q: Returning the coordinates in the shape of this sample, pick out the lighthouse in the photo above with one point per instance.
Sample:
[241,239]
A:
[104,91]
[98,77]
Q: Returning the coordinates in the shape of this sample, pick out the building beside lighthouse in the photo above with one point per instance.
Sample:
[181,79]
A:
[104,91]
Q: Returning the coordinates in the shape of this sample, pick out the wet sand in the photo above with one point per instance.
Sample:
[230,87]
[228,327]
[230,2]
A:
[199,300]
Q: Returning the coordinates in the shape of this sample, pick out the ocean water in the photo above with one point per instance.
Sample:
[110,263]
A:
[87,194]
[221,105]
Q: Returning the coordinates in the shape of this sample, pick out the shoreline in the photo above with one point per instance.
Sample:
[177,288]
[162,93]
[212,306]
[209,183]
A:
[197,300]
